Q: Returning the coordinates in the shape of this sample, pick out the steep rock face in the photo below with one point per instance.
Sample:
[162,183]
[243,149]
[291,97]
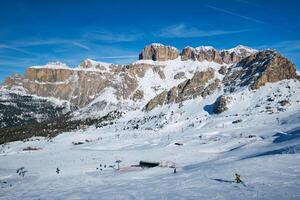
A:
[79,87]
[220,105]
[260,68]
[48,74]
[212,55]
[199,85]
[159,52]
[82,85]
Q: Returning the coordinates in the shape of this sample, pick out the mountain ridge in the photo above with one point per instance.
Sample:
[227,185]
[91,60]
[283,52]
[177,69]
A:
[95,89]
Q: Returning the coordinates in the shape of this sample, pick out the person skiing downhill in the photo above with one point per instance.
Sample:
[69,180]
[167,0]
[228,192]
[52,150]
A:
[238,178]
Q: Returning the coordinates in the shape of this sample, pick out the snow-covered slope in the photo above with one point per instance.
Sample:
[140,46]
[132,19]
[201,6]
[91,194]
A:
[263,148]
[206,113]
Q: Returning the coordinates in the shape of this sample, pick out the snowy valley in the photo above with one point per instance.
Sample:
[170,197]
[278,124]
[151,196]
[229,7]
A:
[206,114]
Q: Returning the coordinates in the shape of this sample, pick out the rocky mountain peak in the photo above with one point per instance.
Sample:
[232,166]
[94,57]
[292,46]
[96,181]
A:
[210,54]
[53,65]
[242,50]
[260,68]
[159,52]
[141,81]
[92,64]
[205,48]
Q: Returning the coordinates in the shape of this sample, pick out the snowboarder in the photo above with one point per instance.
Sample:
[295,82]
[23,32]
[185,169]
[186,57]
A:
[57,170]
[238,178]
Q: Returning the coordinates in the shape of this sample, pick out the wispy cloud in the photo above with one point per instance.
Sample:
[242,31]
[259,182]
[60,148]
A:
[112,36]
[80,45]
[289,48]
[182,31]
[118,57]
[286,46]
[16,63]
[11,47]
[21,45]
[235,14]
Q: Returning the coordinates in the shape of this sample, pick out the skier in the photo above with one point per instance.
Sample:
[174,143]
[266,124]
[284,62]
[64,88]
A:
[175,170]
[57,170]
[238,178]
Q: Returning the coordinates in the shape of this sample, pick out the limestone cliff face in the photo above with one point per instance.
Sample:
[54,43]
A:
[159,52]
[212,55]
[174,81]
[252,71]
[198,85]
[83,84]
[260,68]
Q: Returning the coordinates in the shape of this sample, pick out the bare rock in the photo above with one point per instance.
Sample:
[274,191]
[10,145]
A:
[260,68]
[223,70]
[210,54]
[188,89]
[159,52]
[138,95]
[179,75]
[220,104]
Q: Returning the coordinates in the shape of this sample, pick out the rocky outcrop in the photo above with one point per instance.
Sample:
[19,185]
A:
[212,55]
[191,88]
[220,105]
[179,75]
[83,84]
[77,86]
[260,68]
[159,52]
[138,95]
[223,70]
[91,64]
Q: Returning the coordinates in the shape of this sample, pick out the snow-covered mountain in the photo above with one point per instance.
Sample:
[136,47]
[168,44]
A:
[208,112]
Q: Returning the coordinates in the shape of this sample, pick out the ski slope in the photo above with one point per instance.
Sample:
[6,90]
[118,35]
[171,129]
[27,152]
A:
[263,148]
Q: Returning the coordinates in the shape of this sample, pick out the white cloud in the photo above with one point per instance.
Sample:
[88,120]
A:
[111,36]
[235,14]
[11,47]
[80,45]
[118,57]
[182,31]
[286,46]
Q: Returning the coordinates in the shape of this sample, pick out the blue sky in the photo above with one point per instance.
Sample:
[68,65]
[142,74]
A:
[35,32]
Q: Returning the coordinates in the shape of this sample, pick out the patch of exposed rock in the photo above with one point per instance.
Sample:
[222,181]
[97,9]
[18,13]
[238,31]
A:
[159,52]
[220,105]
[138,95]
[202,84]
[179,75]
